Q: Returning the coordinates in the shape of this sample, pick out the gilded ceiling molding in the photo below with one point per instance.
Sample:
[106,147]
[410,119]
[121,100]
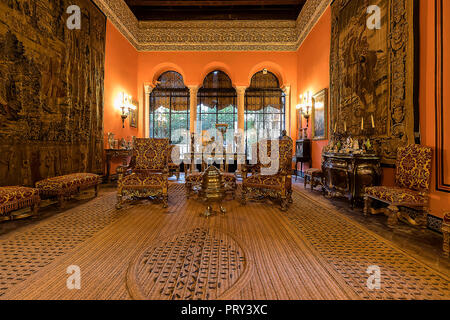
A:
[308,17]
[243,35]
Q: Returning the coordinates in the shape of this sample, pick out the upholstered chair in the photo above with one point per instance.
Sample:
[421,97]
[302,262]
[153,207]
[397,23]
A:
[148,173]
[412,184]
[278,185]
[174,153]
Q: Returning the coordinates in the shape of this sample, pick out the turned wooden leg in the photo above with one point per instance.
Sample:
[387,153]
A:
[446,243]
[61,202]
[244,195]
[96,190]
[119,200]
[290,196]
[367,204]
[422,221]
[188,189]
[35,209]
[393,216]
[305,181]
[165,201]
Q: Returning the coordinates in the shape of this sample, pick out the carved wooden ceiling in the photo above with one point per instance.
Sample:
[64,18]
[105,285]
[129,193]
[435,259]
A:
[182,10]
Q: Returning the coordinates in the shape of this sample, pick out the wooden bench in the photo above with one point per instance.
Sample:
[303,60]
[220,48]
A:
[66,186]
[16,198]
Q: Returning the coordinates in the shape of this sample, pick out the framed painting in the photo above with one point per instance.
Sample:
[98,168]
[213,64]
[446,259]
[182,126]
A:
[134,115]
[320,115]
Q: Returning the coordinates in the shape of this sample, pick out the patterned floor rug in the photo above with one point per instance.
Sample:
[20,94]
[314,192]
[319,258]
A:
[252,252]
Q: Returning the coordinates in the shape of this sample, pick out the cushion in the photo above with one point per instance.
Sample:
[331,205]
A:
[396,195]
[14,198]
[143,180]
[67,184]
[194,177]
[313,172]
[265,180]
[413,167]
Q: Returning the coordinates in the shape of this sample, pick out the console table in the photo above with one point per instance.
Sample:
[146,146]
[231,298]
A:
[347,175]
[111,154]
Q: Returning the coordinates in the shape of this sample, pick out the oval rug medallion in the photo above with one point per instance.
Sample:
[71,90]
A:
[202,264]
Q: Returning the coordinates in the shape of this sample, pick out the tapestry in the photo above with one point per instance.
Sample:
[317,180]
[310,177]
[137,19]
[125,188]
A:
[372,72]
[51,90]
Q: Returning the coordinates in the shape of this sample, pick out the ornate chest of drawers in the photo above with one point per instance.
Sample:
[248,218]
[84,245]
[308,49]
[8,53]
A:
[347,175]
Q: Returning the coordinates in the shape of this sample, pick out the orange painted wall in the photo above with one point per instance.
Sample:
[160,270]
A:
[121,66]
[313,71]
[240,67]
[440,201]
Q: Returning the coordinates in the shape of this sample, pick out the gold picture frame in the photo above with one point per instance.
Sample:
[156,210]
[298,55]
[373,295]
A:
[320,115]
[134,115]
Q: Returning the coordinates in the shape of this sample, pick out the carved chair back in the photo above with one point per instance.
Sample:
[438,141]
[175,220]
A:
[150,154]
[283,154]
[413,167]
[174,153]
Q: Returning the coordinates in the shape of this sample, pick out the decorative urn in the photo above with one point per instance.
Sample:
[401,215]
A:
[213,189]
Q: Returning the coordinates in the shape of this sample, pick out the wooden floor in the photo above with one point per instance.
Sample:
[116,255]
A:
[311,252]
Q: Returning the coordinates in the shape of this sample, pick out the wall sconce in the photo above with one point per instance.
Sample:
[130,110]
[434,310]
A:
[126,106]
[305,106]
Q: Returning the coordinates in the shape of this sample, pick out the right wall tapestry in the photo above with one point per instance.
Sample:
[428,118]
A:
[372,72]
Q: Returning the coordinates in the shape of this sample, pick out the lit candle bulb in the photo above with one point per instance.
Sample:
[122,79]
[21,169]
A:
[345,126]
[362,123]
[335,127]
[373,121]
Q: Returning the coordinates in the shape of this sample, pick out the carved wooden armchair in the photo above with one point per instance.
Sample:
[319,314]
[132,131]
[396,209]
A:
[278,185]
[174,153]
[412,184]
[148,173]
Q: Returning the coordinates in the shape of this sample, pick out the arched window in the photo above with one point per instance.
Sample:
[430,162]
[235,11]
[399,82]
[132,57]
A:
[264,109]
[216,102]
[169,109]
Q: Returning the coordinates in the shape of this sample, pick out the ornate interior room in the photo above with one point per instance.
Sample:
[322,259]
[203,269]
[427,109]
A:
[225,150]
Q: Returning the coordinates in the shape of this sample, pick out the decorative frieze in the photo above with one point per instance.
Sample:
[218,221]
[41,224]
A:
[260,35]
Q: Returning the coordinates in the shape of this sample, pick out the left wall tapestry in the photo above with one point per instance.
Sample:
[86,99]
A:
[51,90]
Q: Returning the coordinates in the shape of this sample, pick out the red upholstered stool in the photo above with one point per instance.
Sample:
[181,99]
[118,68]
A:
[65,186]
[446,233]
[16,198]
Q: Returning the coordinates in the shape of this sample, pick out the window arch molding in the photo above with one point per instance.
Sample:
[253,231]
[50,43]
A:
[216,102]
[264,109]
[169,112]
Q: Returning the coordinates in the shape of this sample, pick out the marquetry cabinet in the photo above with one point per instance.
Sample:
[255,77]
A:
[347,175]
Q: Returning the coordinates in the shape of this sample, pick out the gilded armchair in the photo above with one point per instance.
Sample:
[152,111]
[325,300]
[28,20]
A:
[262,183]
[412,184]
[148,173]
